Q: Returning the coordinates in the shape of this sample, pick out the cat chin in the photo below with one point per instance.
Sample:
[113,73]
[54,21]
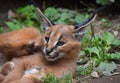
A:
[53,58]
[56,56]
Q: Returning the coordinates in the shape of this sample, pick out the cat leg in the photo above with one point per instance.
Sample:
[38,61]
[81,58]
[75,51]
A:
[26,80]
[6,68]
[35,74]
[1,78]
[16,73]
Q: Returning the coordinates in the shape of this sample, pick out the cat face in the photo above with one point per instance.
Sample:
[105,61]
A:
[59,42]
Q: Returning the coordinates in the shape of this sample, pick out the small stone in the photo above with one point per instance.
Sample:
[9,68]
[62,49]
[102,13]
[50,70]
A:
[115,33]
[112,1]
[95,74]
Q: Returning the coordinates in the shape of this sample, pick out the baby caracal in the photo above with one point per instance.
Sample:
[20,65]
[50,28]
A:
[57,53]
[59,57]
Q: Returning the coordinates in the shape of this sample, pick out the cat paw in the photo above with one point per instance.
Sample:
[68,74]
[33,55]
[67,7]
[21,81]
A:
[7,67]
[1,78]
[32,47]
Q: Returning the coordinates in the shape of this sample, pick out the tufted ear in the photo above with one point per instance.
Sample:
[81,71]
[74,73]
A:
[80,28]
[46,22]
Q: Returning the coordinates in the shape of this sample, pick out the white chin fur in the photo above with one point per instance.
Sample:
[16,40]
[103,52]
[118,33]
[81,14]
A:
[56,58]
[51,59]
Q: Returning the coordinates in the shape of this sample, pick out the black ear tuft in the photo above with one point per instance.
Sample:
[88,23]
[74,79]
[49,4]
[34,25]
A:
[80,28]
[46,22]
[86,22]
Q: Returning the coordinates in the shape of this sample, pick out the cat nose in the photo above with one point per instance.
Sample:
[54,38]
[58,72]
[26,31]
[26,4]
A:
[49,50]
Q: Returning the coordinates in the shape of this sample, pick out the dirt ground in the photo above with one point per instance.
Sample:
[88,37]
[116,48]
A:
[104,79]
[114,19]
[114,78]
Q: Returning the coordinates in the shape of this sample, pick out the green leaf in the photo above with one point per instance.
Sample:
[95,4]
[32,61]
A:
[50,78]
[51,13]
[79,18]
[115,55]
[2,29]
[14,25]
[106,68]
[67,79]
[108,37]
[103,2]
[82,53]
[116,42]
[26,10]
[93,50]
[65,16]
[31,16]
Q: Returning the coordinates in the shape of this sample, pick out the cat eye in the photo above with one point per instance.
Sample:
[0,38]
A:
[47,39]
[60,43]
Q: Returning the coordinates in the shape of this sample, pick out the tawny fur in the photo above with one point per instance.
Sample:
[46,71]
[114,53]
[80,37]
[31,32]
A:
[12,43]
[60,67]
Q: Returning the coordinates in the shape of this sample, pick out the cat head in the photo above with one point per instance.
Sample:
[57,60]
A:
[62,41]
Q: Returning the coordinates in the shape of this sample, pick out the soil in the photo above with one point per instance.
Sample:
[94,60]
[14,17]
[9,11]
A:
[114,19]
[104,79]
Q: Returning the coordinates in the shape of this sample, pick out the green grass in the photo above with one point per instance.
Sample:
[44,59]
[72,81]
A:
[97,50]
[50,78]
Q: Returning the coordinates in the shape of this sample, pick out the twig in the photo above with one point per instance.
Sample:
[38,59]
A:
[85,4]
[116,73]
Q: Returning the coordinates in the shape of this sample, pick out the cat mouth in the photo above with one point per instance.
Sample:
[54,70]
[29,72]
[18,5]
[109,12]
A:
[52,57]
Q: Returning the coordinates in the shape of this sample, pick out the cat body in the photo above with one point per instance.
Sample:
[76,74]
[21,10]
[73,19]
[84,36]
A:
[60,62]
[58,55]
